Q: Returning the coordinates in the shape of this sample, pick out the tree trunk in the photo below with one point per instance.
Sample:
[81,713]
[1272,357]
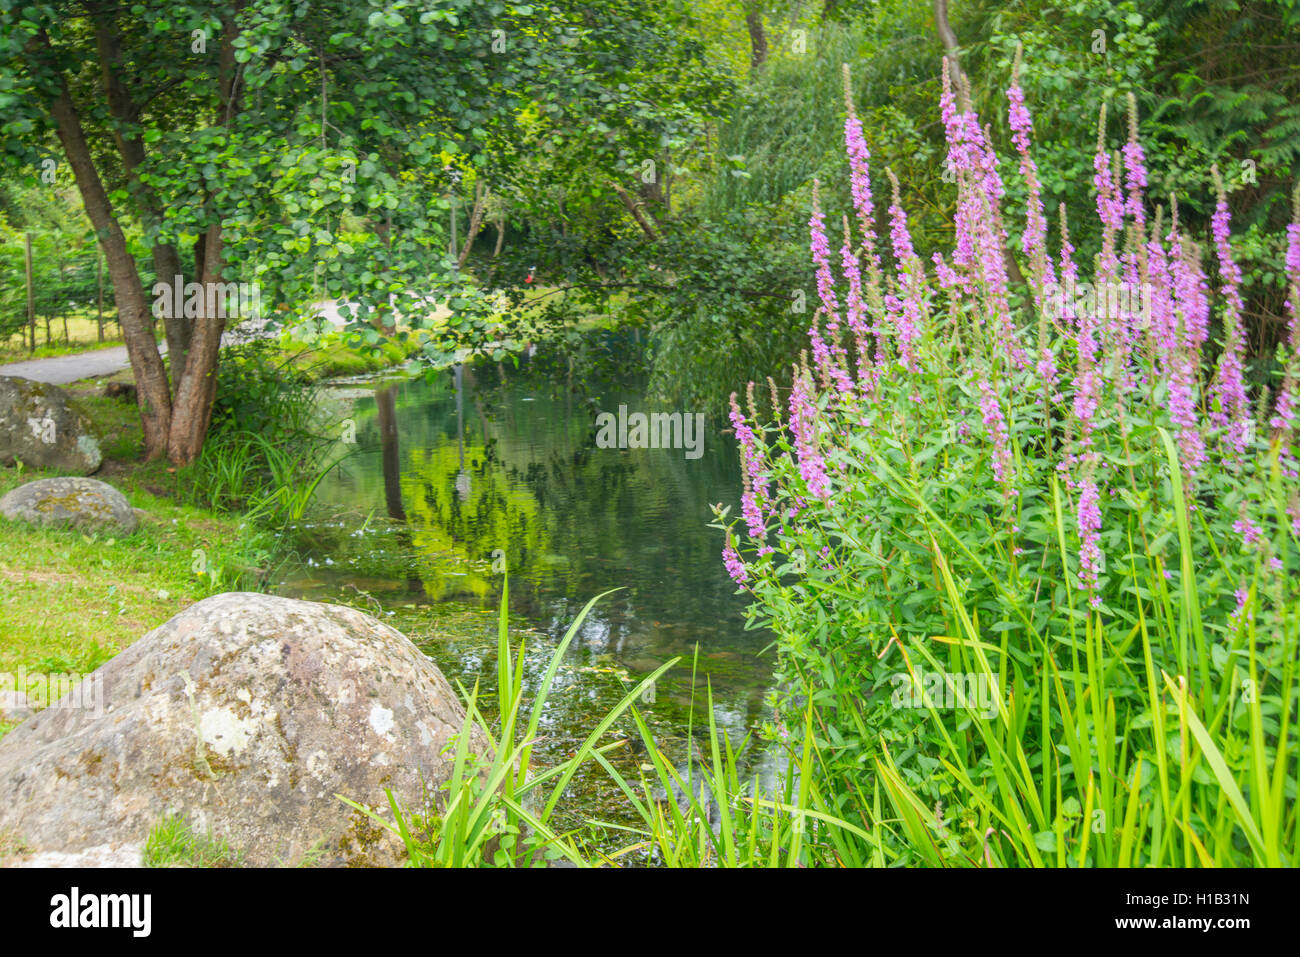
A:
[197,387]
[949,40]
[757,36]
[386,406]
[99,282]
[166,258]
[31,288]
[177,329]
[634,208]
[475,222]
[152,394]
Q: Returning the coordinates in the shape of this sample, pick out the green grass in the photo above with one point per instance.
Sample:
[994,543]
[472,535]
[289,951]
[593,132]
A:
[172,843]
[72,599]
[330,356]
[498,810]
[1169,772]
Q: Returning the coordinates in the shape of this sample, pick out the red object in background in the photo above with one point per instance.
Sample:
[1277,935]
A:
[529,278]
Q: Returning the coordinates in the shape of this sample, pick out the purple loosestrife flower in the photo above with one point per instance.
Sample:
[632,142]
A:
[1239,616]
[821,352]
[821,254]
[829,366]
[1284,411]
[1135,180]
[1089,538]
[856,313]
[1287,398]
[804,422]
[1110,209]
[1087,399]
[1164,327]
[735,567]
[948,277]
[1069,277]
[1135,174]
[755,484]
[962,159]
[860,181]
[1250,533]
[980,236]
[1192,307]
[1034,241]
[1047,370]
[1135,171]
[1231,411]
[910,278]
[1087,393]
[996,425]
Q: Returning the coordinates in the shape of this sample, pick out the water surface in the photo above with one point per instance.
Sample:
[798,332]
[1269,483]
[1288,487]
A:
[455,477]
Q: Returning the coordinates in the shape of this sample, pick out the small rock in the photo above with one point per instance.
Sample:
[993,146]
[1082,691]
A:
[85,503]
[39,427]
[120,390]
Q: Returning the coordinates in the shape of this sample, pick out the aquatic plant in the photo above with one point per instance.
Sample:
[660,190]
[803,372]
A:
[497,810]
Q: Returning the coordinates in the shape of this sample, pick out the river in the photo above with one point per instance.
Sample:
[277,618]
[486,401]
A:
[457,476]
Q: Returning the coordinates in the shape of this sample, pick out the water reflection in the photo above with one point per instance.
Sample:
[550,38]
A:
[494,464]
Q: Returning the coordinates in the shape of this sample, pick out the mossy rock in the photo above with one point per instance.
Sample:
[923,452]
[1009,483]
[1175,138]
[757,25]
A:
[79,502]
[39,427]
[244,715]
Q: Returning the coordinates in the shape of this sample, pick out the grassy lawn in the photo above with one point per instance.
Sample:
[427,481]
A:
[83,336]
[73,600]
[69,601]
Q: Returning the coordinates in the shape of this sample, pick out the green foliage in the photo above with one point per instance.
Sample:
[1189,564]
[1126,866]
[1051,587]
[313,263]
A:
[496,810]
[1227,99]
[1000,673]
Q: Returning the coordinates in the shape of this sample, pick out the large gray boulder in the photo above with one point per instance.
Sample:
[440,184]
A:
[81,502]
[38,426]
[245,714]
[14,705]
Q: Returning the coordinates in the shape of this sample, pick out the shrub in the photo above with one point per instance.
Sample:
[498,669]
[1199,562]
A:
[983,484]
[265,451]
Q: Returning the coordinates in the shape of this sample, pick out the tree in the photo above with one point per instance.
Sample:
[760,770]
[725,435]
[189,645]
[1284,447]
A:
[302,150]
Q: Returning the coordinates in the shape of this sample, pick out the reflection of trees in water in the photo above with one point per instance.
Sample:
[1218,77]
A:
[571,519]
[515,467]
[454,532]
[386,413]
